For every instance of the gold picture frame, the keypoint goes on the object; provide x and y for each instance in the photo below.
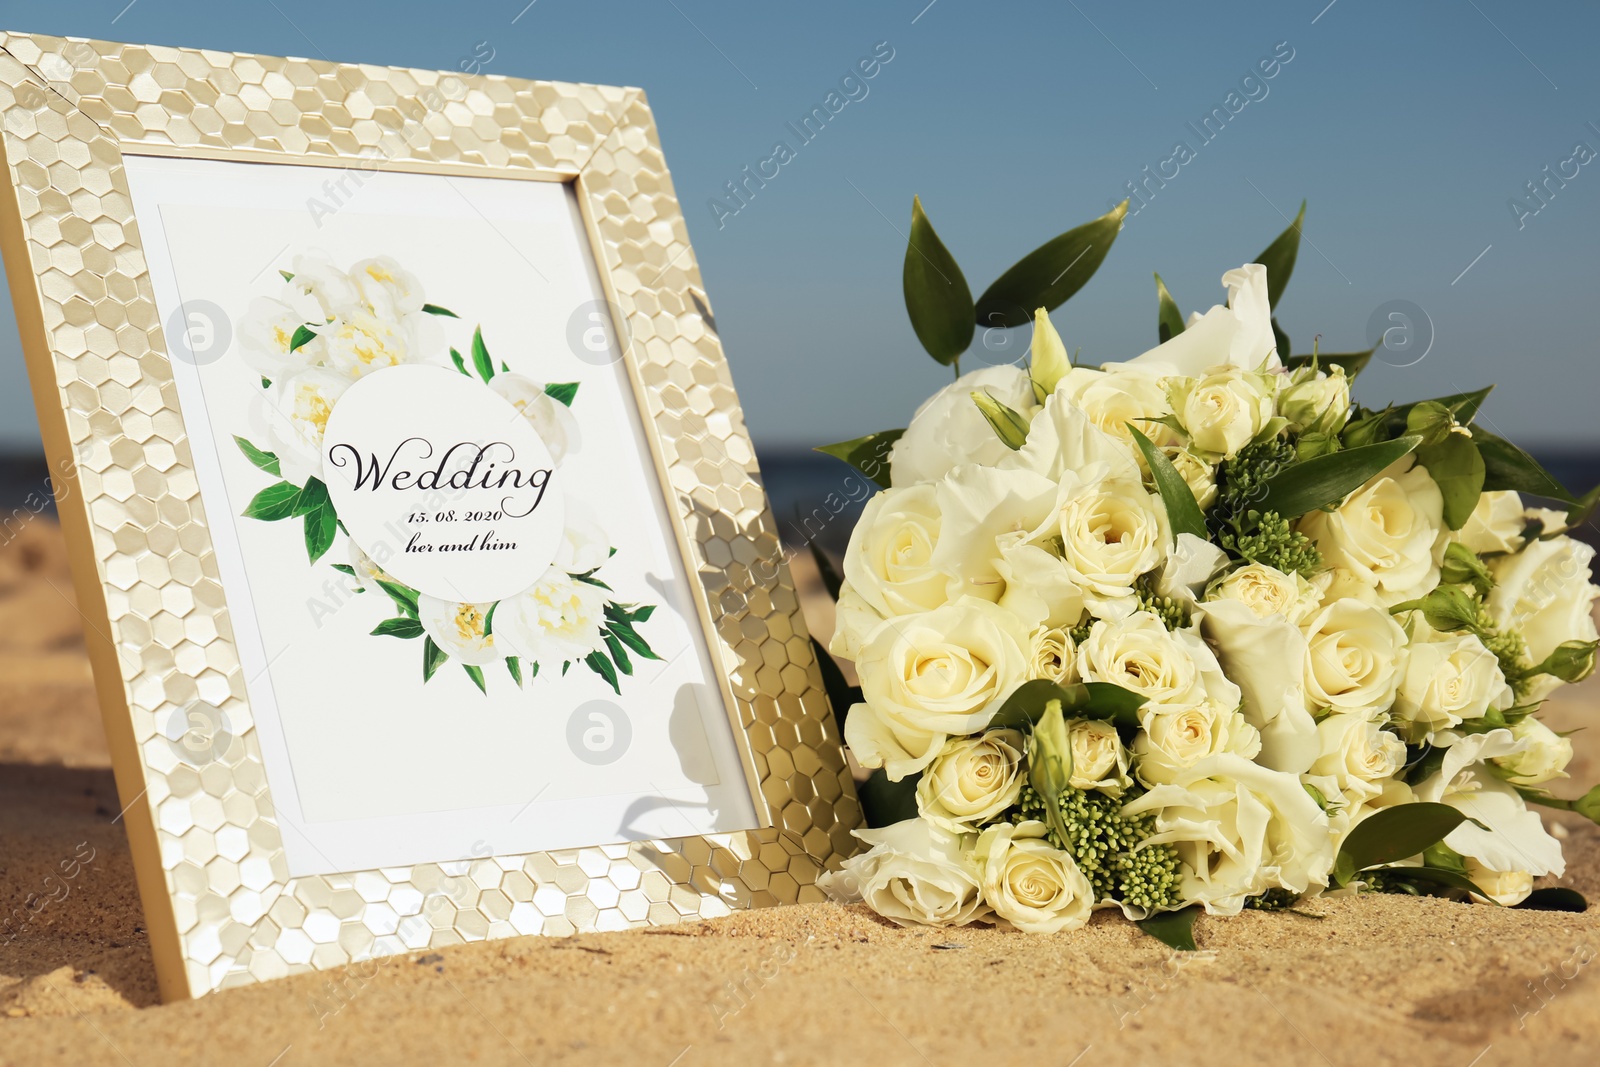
(206, 847)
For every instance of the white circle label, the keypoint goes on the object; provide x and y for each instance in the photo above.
(443, 483)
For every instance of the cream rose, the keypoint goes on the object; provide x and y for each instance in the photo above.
(1117, 395)
(948, 430)
(1543, 754)
(1111, 532)
(1197, 474)
(927, 677)
(1267, 591)
(1063, 439)
(1174, 739)
(1544, 594)
(1266, 656)
(1052, 656)
(1240, 829)
(1316, 403)
(1353, 653)
(972, 780)
(1169, 668)
(1507, 888)
(914, 874)
(1030, 883)
(890, 559)
(1357, 755)
(1099, 760)
(1496, 523)
(1224, 410)
(1448, 678)
(854, 620)
(1385, 533)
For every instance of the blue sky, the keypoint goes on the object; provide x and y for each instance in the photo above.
(1407, 128)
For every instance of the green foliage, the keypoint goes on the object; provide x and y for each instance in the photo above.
(1106, 845)
(1279, 256)
(1174, 614)
(563, 392)
(1007, 423)
(481, 362)
(1183, 512)
(1328, 479)
(1169, 320)
(1051, 273)
(869, 454)
(936, 293)
(1394, 834)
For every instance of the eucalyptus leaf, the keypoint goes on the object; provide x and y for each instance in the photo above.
(1169, 320)
(1175, 929)
(1051, 273)
(1394, 834)
(869, 454)
(937, 297)
(1183, 511)
(1328, 479)
(1279, 257)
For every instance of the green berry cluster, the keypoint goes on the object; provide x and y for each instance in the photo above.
(1252, 534)
(1104, 842)
(1265, 537)
(1174, 614)
(1274, 899)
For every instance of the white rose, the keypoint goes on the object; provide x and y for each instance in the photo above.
(1448, 678)
(1062, 437)
(1030, 883)
(557, 620)
(1174, 739)
(1500, 832)
(1353, 653)
(1550, 520)
(1224, 410)
(1357, 755)
(1237, 333)
(387, 289)
(1099, 761)
(927, 677)
(915, 874)
(1240, 829)
(1266, 656)
(1117, 395)
(1198, 474)
(1169, 668)
(458, 629)
(1267, 591)
(1318, 403)
(1507, 888)
(889, 562)
(948, 430)
(1543, 593)
(1112, 532)
(265, 337)
(1052, 656)
(297, 416)
(552, 420)
(854, 620)
(973, 780)
(1543, 757)
(1386, 532)
(1495, 524)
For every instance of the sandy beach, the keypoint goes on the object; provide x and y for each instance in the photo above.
(1349, 982)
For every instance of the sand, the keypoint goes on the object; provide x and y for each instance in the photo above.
(1367, 981)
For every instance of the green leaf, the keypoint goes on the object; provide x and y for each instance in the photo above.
(1508, 467)
(1435, 876)
(884, 803)
(400, 627)
(1183, 511)
(267, 461)
(1458, 471)
(937, 297)
(630, 637)
(1352, 362)
(276, 501)
(1051, 273)
(476, 674)
(1093, 700)
(1447, 608)
(562, 391)
(1279, 257)
(841, 694)
(514, 666)
(1007, 423)
(869, 454)
(601, 665)
(1169, 320)
(435, 309)
(303, 335)
(320, 527)
(1326, 480)
(1175, 929)
(433, 657)
(619, 655)
(404, 597)
(1394, 834)
(1555, 898)
(480, 356)
(1280, 340)
(831, 580)
(461, 364)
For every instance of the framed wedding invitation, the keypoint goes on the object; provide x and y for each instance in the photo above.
(430, 586)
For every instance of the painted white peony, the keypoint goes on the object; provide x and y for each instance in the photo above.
(1225, 409)
(297, 416)
(458, 629)
(1170, 668)
(1240, 829)
(386, 288)
(584, 545)
(1449, 677)
(973, 780)
(556, 621)
(948, 430)
(266, 335)
(1030, 883)
(1544, 593)
(927, 677)
(1238, 333)
(1496, 523)
(1172, 740)
(1386, 533)
(552, 420)
(914, 874)
(1353, 653)
(319, 291)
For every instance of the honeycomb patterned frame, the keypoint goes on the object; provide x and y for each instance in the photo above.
(221, 907)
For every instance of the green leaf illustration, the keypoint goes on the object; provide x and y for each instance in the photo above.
(630, 637)
(303, 335)
(461, 364)
(320, 527)
(514, 667)
(267, 461)
(480, 356)
(433, 657)
(562, 391)
(401, 627)
(476, 674)
(601, 665)
(404, 597)
(619, 655)
(276, 501)
(435, 309)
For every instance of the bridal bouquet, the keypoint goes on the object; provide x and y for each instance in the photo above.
(1193, 630)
